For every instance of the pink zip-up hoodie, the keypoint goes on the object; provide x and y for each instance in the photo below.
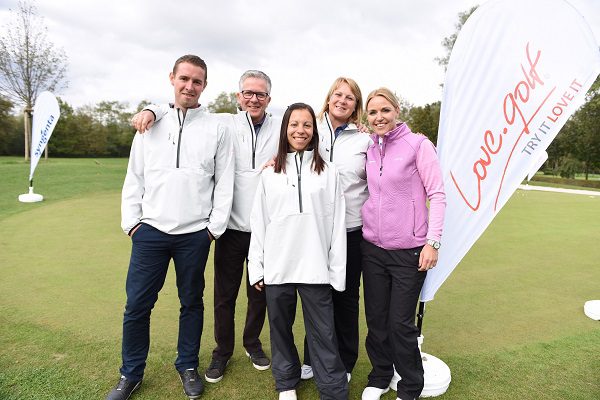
(402, 174)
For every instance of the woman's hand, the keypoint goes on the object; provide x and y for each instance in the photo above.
(428, 258)
(270, 163)
(143, 121)
(362, 128)
(259, 286)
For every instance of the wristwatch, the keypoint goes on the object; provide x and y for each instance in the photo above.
(434, 243)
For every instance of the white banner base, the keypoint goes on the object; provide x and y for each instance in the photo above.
(30, 197)
(437, 375)
(592, 309)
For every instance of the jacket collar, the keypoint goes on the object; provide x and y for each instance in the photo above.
(350, 126)
(190, 113)
(306, 156)
(400, 130)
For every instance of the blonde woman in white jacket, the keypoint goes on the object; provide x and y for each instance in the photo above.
(343, 144)
(298, 246)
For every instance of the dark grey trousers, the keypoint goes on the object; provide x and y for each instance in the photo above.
(346, 305)
(317, 307)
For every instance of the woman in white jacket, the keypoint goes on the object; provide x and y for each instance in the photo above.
(343, 144)
(298, 246)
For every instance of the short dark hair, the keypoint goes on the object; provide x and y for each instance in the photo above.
(318, 165)
(194, 60)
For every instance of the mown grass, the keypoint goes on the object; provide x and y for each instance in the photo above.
(509, 322)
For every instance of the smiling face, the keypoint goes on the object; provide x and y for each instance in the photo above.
(341, 104)
(381, 115)
(255, 107)
(300, 129)
(189, 81)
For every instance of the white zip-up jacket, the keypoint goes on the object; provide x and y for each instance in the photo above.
(180, 175)
(252, 151)
(298, 226)
(349, 154)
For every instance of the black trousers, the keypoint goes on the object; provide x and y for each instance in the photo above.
(317, 307)
(231, 251)
(392, 287)
(345, 305)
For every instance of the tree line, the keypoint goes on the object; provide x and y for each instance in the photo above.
(29, 63)
(104, 130)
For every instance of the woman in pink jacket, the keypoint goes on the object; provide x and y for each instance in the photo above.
(401, 241)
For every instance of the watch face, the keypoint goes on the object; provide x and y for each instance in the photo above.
(433, 243)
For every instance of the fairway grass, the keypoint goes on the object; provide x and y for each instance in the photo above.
(509, 321)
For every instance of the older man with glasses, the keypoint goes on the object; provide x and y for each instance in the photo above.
(256, 136)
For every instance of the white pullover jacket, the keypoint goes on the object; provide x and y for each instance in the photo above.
(180, 175)
(349, 154)
(252, 151)
(298, 226)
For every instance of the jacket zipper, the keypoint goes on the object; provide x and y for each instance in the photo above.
(299, 172)
(181, 122)
(381, 157)
(253, 139)
(331, 137)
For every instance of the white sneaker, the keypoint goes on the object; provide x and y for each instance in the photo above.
(373, 393)
(306, 372)
(349, 375)
(288, 395)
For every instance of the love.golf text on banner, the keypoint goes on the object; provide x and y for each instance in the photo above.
(518, 70)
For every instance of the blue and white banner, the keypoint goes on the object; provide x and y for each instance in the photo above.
(518, 70)
(45, 116)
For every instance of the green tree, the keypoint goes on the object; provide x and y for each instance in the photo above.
(449, 41)
(114, 118)
(586, 121)
(425, 119)
(11, 141)
(63, 141)
(78, 134)
(577, 146)
(224, 103)
(29, 62)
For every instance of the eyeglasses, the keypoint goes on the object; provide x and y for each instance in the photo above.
(248, 94)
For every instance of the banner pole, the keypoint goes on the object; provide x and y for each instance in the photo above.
(420, 315)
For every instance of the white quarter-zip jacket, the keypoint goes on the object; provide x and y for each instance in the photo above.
(349, 154)
(180, 175)
(298, 226)
(252, 151)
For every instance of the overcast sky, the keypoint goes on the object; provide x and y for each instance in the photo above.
(124, 49)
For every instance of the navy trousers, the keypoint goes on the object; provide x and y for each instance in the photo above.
(151, 253)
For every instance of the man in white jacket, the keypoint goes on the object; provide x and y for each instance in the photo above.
(176, 199)
(255, 137)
